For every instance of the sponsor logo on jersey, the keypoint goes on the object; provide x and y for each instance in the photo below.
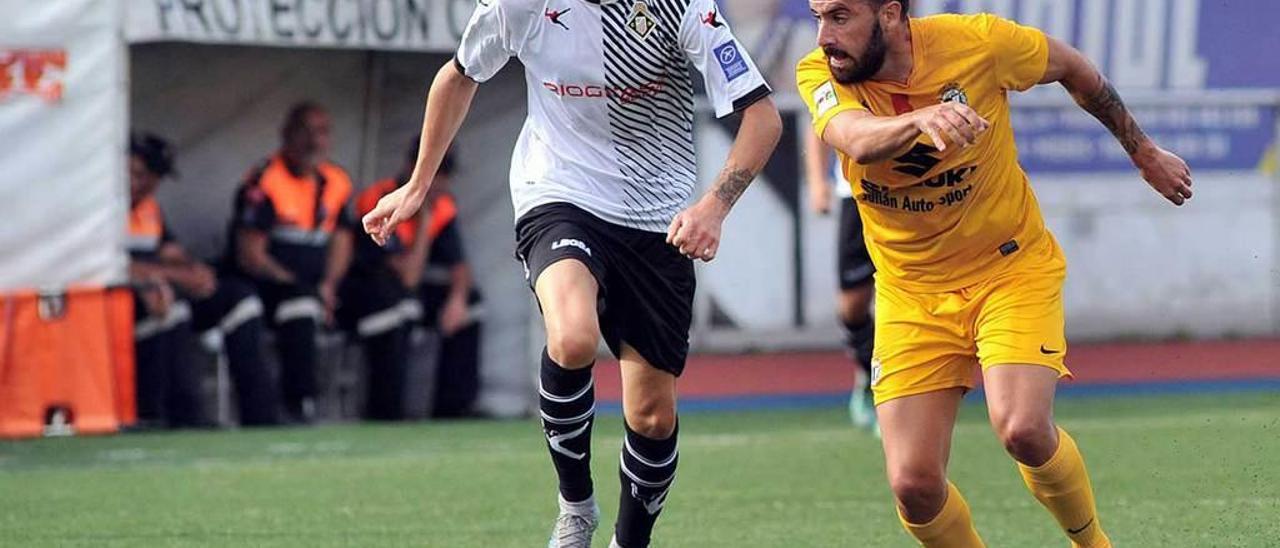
(955, 183)
(950, 177)
(953, 92)
(731, 60)
(712, 19)
(917, 161)
(641, 23)
(590, 91)
(571, 242)
(554, 17)
(825, 98)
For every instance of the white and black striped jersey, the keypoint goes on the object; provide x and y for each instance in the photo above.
(610, 124)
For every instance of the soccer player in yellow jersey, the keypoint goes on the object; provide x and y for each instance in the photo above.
(967, 272)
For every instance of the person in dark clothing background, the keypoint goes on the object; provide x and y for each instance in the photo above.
(177, 295)
(291, 236)
(426, 257)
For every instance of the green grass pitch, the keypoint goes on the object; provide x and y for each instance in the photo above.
(1168, 470)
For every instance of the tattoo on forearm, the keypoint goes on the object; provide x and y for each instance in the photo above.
(731, 185)
(1108, 108)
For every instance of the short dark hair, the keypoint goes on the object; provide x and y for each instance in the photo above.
(906, 5)
(297, 115)
(155, 152)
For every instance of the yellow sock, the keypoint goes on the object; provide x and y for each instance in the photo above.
(951, 528)
(1062, 486)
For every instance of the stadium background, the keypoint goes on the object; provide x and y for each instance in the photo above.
(215, 76)
(1138, 269)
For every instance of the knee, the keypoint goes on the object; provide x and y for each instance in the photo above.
(572, 349)
(1030, 440)
(920, 491)
(652, 420)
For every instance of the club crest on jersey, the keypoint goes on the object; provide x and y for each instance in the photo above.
(641, 23)
(953, 92)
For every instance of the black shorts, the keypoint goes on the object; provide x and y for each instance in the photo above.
(853, 263)
(646, 285)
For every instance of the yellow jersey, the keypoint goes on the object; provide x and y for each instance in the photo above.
(941, 221)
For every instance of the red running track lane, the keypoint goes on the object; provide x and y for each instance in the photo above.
(711, 376)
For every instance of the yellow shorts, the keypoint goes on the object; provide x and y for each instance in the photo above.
(933, 341)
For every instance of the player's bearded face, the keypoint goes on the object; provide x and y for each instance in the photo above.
(847, 69)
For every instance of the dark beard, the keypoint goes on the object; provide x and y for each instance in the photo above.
(866, 67)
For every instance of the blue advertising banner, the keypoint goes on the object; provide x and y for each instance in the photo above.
(1208, 136)
(1180, 52)
(1154, 44)
(1172, 60)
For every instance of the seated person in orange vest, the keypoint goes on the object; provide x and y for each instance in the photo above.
(426, 256)
(178, 294)
(292, 236)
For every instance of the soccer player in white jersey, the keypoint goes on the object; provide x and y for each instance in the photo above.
(601, 178)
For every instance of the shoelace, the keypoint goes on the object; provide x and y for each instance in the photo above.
(571, 527)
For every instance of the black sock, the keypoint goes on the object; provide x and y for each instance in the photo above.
(861, 339)
(567, 399)
(647, 471)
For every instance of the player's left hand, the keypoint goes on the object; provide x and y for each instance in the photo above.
(1165, 172)
(696, 231)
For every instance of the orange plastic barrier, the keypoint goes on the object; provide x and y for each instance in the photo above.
(66, 362)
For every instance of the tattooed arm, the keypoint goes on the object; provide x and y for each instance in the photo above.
(1163, 170)
(731, 183)
(696, 231)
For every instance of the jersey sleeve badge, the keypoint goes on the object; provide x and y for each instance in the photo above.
(825, 98)
(731, 61)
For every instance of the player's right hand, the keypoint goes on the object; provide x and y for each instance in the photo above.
(392, 209)
(1165, 172)
(820, 197)
(951, 122)
(696, 231)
